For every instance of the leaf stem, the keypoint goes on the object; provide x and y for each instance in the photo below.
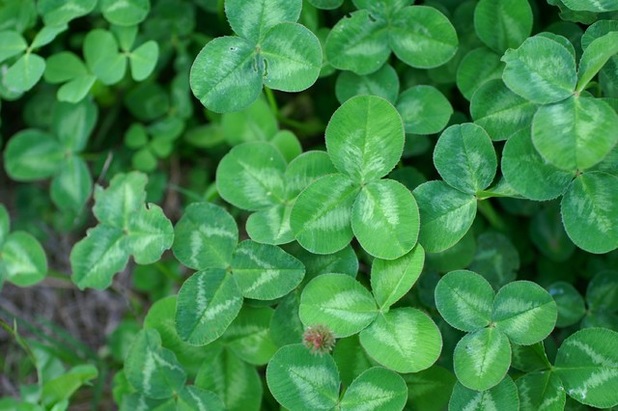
(488, 211)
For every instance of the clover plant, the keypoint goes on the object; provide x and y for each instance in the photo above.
(312, 204)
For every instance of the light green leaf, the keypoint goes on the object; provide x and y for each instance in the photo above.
(404, 340)
(216, 373)
(305, 169)
(598, 52)
(11, 44)
(250, 176)
(254, 123)
(22, 259)
(424, 110)
(528, 173)
(32, 155)
(5, 224)
(365, 137)
(422, 37)
(46, 35)
(465, 158)
(102, 56)
(481, 359)
(56, 12)
(125, 12)
(503, 24)
(587, 363)
(476, 68)
(285, 325)
(392, 279)
(265, 272)
(541, 391)
(61, 388)
(589, 212)
(525, 312)
(383, 83)
(253, 20)
(541, 70)
(248, 336)
(26, 72)
(501, 112)
(464, 299)
(152, 369)
(143, 60)
(303, 381)
(207, 304)
(575, 134)
(591, 5)
(96, 258)
(358, 43)
(385, 219)
(339, 302)
(321, 215)
(234, 82)
(502, 397)
(206, 236)
(75, 90)
(271, 226)
(375, 389)
(446, 215)
(126, 190)
(287, 143)
(72, 124)
(342, 262)
(292, 56)
(194, 398)
(150, 233)
(72, 186)
(570, 303)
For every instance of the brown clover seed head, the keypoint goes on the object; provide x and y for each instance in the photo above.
(319, 339)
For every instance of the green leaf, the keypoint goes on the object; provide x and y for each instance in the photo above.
(526, 171)
(292, 56)
(365, 137)
(303, 381)
(125, 12)
(288, 144)
(207, 304)
(530, 358)
(32, 155)
(422, 37)
(464, 299)
(446, 215)
(75, 90)
(358, 43)
(476, 68)
(503, 397)
(305, 169)
(46, 35)
(339, 302)
(587, 363)
(143, 60)
(285, 325)
(248, 336)
(591, 5)
(541, 391)
(254, 123)
(102, 56)
(503, 24)
(150, 233)
(385, 219)
(404, 340)
(194, 398)
(72, 124)
(351, 359)
(11, 44)
(253, 20)
(465, 158)
(321, 215)
(589, 212)
(205, 237)
(26, 72)
(326, 4)
(96, 258)
(575, 134)
(424, 110)
(271, 226)
(548, 235)
(232, 84)
(595, 56)
(64, 386)
(152, 369)
(481, 359)
(216, 373)
(22, 259)
(5, 224)
(56, 12)
(499, 111)
(377, 389)
(430, 390)
(602, 291)
(265, 272)
(392, 279)
(250, 176)
(525, 312)
(72, 186)
(541, 70)
(342, 262)
(496, 259)
(382, 83)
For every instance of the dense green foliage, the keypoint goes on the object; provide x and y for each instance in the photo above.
(324, 204)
